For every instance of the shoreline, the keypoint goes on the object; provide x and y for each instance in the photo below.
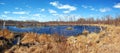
(104, 41)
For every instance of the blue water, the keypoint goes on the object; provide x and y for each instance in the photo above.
(60, 30)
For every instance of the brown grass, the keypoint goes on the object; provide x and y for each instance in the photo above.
(106, 41)
(6, 34)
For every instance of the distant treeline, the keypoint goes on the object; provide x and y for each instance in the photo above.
(104, 20)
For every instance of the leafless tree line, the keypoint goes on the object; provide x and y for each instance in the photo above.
(72, 21)
(104, 20)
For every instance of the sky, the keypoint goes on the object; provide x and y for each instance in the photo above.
(55, 10)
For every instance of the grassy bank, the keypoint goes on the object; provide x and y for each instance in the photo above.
(106, 41)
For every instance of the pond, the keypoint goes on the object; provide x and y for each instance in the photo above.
(60, 30)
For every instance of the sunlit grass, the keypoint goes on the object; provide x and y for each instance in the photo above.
(106, 41)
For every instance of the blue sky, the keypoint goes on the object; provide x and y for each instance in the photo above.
(52, 10)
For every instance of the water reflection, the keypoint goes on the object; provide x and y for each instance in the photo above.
(60, 30)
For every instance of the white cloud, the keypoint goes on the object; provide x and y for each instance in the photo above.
(55, 14)
(41, 10)
(66, 11)
(22, 17)
(52, 11)
(7, 12)
(4, 16)
(117, 5)
(89, 7)
(17, 8)
(28, 6)
(66, 17)
(2, 3)
(91, 15)
(92, 9)
(104, 9)
(61, 6)
(84, 6)
(36, 15)
(20, 12)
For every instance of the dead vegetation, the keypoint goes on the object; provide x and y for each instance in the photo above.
(6, 34)
(106, 41)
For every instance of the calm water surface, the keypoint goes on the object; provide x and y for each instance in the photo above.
(60, 30)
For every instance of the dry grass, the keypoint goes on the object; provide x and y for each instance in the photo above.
(29, 38)
(6, 34)
(106, 41)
